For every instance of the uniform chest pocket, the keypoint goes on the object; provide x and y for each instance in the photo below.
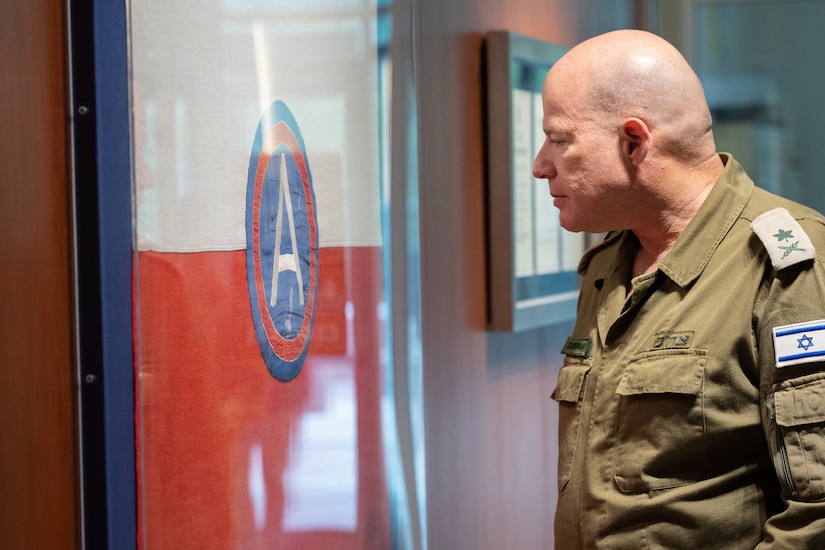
(660, 423)
(568, 393)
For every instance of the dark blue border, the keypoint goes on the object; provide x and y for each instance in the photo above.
(797, 330)
(103, 212)
(801, 356)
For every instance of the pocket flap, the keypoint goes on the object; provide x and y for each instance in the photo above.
(677, 371)
(802, 402)
(571, 383)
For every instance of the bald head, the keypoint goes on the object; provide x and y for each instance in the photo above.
(631, 73)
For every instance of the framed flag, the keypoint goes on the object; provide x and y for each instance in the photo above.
(258, 274)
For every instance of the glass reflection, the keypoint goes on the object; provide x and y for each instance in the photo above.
(757, 61)
(257, 486)
(320, 480)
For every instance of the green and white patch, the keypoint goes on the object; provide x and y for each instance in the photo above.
(784, 239)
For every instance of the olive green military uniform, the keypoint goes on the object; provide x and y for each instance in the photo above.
(679, 425)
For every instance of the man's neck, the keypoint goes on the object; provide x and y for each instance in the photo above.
(656, 240)
(646, 261)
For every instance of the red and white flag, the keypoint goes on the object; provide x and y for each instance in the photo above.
(258, 275)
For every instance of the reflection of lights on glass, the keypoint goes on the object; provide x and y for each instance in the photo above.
(257, 486)
(383, 314)
(321, 480)
(181, 159)
(261, 66)
(349, 314)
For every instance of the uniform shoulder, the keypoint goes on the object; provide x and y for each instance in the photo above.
(791, 232)
(762, 201)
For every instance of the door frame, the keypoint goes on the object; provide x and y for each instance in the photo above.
(101, 185)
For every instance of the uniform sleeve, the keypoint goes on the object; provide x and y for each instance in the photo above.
(791, 339)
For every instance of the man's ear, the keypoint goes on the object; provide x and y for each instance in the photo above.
(635, 139)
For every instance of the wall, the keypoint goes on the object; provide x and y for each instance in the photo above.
(490, 422)
(38, 489)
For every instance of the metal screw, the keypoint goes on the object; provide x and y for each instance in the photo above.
(90, 378)
(83, 110)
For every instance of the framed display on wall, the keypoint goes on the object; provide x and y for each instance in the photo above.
(531, 259)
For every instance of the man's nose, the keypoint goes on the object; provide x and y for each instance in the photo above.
(543, 168)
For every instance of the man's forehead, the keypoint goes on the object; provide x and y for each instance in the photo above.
(558, 103)
(564, 85)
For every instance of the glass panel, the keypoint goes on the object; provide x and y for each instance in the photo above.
(405, 410)
(760, 64)
(261, 320)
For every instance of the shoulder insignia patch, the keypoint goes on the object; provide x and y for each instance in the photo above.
(783, 237)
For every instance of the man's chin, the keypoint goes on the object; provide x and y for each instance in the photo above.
(569, 225)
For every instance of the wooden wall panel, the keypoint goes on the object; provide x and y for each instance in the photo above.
(38, 465)
(490, 423)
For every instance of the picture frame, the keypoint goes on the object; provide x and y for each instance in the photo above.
(532, 261)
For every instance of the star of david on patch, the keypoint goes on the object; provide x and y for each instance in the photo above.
(805, 342)
(783, 235)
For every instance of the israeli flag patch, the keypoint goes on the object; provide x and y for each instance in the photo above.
(799, 343)
(784, 239)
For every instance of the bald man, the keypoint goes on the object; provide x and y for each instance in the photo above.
(692, 395)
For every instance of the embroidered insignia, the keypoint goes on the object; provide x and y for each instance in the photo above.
(672, 340)
(805, 342)
(577, 347)
(789, 249)
(281, 243)
(784, 239)
(799, 343)
(783, 235)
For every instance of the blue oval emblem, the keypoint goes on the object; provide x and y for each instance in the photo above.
(281, 242)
